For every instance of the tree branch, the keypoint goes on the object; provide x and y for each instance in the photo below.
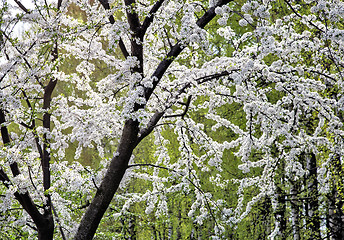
(4, 132)
(106, 6)
(6, 140)
(187, 104)
(45, 160)
(136, 35)
(152, 165)
(59, 3)
(24, 199)
(4, 178)
(133, 18)
(157, 116)
(149, 19)
(59, 223)
(178, 48)
(298, 14)
(152, 123)
(187, 178)
(17, 61)
(22, 7)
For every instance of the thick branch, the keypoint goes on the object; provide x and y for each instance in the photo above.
(123, 48)
(46, 124)
(6, 140)
(136, 35)
(152, 123)
(22, 7)
(59, 4)
(133, 18)
(149, 19)
(4, 178)
(47, 231)
(4, 132)
(29, 206)
(45, 160)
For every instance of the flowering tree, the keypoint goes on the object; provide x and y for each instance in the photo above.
(167, 70)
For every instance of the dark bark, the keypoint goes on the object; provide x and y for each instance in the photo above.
(137, 35)
(6, 140)
(280, 195)
(47, 229)
(281, 212)
(4, 132)
(313, 220)
(46, 124)
(295, 211)
(110, 183)
(149, 19)
(20, 5)
(59, 3)
(150, 126)
(335, 217)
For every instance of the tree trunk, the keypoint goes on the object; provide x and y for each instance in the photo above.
(110, 183)
(313, 221)
(46, 229)
(295, 211)
(280, 213)
(336, 216)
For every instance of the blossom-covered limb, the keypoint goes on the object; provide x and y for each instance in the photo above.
(105, 4)
(149, 19)
(42, 221)
(178, 48)
(150, 126)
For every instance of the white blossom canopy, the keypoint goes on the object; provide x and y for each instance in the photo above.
(208, 82)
